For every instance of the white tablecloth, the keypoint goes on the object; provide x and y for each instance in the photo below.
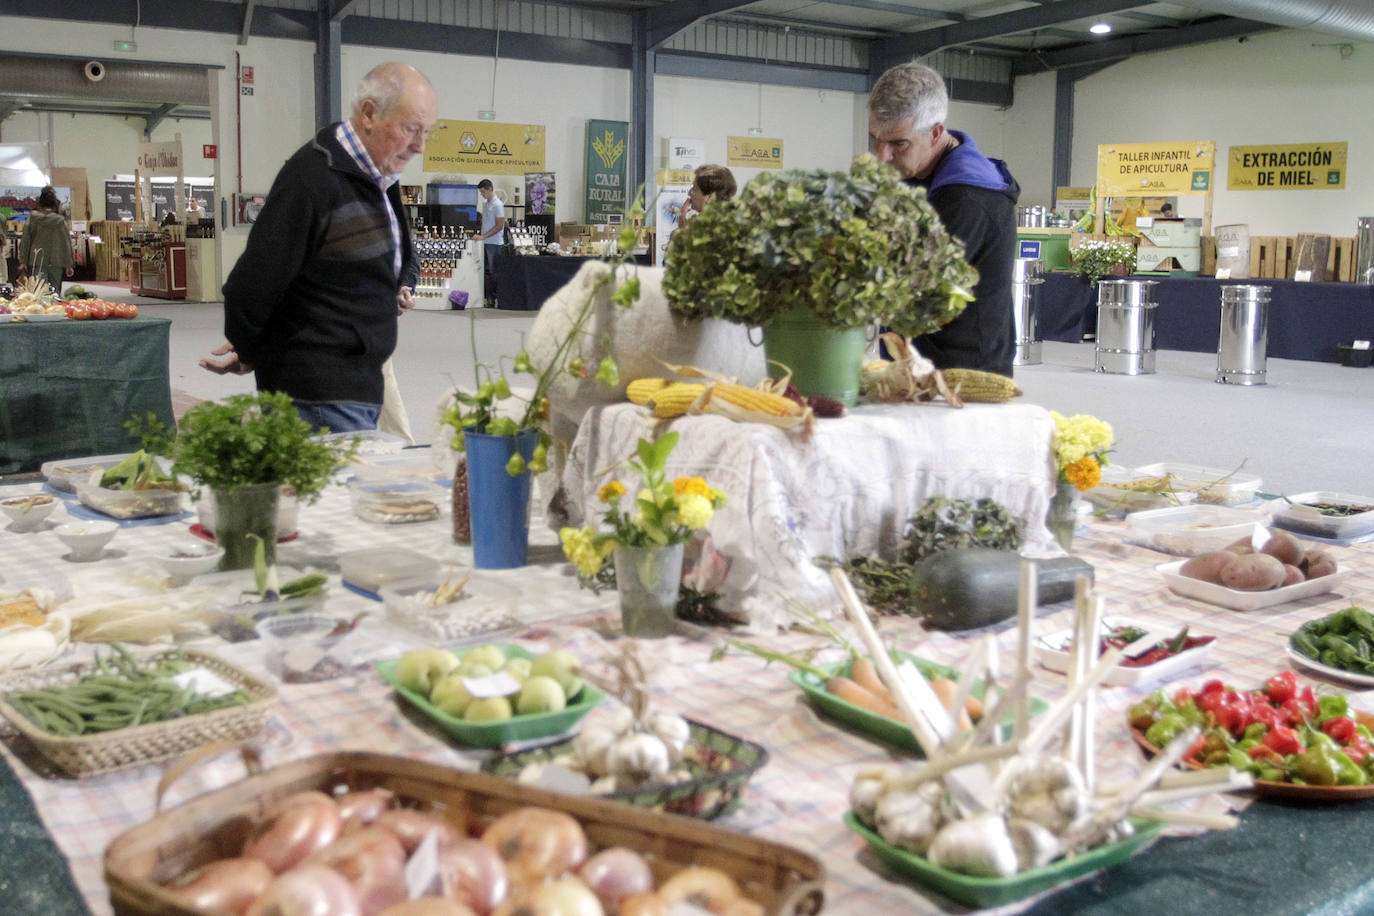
(846, 489)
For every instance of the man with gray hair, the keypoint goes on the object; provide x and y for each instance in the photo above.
(975, 198)
(311, 305)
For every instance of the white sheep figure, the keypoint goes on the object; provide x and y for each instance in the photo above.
(640, 338)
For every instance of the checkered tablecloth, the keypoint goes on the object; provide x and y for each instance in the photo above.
(798, 798)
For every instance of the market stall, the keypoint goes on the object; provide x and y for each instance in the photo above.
(798, 798)
(66, 387)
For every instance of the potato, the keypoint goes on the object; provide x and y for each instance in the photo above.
(1241, 546)
(1283, 547)
(1208, 566)
(1317, 563)
(1292, 575)
(1253, 573)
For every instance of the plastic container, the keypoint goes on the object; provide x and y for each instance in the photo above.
(397, 501)
(1212, 485)
(370, 441)
(410, 463)
(483, 607)
(288, 508)
(124, 504)
(369, 570)
(1356, 357)
(1189, 531)
(1116, 491)
(1055, 652)
(63, 473)
(1297, 514)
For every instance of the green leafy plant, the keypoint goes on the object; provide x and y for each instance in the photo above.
(854, 247)
(1095, 258)
(246, 439)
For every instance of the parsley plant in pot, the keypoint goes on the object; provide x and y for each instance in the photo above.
(838, 251)
(244, 449)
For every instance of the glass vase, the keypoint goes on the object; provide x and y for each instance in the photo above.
(1062, 516)
(240, 512)
(647, 580)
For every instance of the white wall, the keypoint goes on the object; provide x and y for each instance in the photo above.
(1280, 87)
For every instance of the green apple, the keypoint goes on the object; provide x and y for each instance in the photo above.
(518, 668)
(488, 709)
(563, 667)
(490, 656)
(451, 696)
(474, 670)
(540, 694)
(420, 669)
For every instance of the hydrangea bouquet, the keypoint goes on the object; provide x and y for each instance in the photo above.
(1095, 258)
(1081, 443)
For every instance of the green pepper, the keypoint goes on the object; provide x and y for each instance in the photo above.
(1244, 744)
(1318, 765)
(1191, 714)
(1164, 730)
(1360, 619)
(1306, 643)
(1329, 707)
(1255, 731)
(1349, 772)
(1269, 774)
(1239, 760)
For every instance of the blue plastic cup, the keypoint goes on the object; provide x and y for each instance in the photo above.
(499, 503)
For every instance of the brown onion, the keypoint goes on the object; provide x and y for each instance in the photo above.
(362, 808)
(473, 874)
(311, 890)
(615, 873)
(566, 896)
(428, 906)
(643, 905)
(411, 828)
(373, 862)
(537, 843)
(709, 888)
(228, 884)
(296, 828)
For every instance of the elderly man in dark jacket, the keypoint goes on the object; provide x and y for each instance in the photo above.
(311, 305)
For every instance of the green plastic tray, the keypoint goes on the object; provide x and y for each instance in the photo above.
(871, 723)
(495, 734)
(987, 892)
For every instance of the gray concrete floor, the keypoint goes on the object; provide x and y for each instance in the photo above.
(1307, 429)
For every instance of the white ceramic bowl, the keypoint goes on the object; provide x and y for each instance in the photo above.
(191, 560)
(28, 512)
(87, 540)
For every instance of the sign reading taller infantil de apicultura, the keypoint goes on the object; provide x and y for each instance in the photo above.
(485, 148)
(608, 148)
(1286, 167)
(1155, 169)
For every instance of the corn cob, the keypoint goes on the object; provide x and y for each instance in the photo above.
(641, 389)
(753, 399)
(672, 400)
(975, 385)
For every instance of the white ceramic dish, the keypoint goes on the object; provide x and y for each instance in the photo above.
(38, 316)
(86, 540)
(1189, 531)
(1336, 674)
(1291, 513)
(1052, 651)
(190, 560)
(1246, 601)
(27, 513)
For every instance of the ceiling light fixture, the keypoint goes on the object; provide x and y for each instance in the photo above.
(1100, 28)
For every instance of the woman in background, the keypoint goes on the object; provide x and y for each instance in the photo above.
(45, 249)
(710, 182)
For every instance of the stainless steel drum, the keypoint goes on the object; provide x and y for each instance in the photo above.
(1244, 335)
(1364, 250)
(1025, 304)
(1125, 327)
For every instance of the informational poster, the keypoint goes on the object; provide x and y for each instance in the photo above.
(485, 148)
(754, 152)
(1287, 167)
(607, 145)
(120, 198)
(686, 153)
(539, 194)
(1149, 169)
(673, 185)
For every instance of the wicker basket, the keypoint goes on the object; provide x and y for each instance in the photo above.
(786, 881)
(88, 755)
(720, 763)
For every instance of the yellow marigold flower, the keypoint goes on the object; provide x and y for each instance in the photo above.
(1085, 473)
(578, 546)
(718, 498)
(694, 510)
(611, 492)
(684, 485)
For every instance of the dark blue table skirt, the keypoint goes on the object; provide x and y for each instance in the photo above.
(1306, 320)
(524, 282)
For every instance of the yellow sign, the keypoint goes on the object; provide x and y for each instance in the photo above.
(485, 147)
(1151, 169)
(754, 152)
(676, 177)
(1286, 167)
(1071, 197)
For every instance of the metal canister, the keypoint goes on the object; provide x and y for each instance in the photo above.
(1244, 340)
(1026, 281)
(1364, 250)
(1125, 327)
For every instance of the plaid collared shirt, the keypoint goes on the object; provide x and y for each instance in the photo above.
(348, 139)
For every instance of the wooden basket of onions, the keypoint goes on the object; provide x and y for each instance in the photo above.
(342, 832)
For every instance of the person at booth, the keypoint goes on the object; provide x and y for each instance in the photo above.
(311, 306)
(45, 248)
(975, 198)
(492, 234)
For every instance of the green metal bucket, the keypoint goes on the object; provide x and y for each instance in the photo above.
(823, 360)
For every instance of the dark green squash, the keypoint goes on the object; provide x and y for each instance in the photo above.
(976, 587)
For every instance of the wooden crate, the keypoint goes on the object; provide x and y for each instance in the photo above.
(1310, 253)
(1340, 263)
(1269, 256)
(111, 232)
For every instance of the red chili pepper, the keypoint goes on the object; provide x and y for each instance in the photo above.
(1341, 728)
(1266, 753)
(1280, 687)
(1213, 686)
(1182, 695)
(1357, 750)
(1308, 699)
(1292, 711)
(1283, 741)
(1195, 747)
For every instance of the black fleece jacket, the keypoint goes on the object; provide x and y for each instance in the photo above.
(311, 304)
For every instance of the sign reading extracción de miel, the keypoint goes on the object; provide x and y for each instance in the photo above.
(754, 152)
(485, 148)
(159, 159)
(1286, 167)
(1155, 169)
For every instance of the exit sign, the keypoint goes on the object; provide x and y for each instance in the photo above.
(209, 151)
(486, 116)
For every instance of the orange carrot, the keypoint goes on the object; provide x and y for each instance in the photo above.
(846, 689)
(945, 689)
(865, 674)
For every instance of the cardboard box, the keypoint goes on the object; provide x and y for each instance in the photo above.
(1168, 233)
(1151, 259)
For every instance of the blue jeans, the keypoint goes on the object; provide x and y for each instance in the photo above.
(339, 416)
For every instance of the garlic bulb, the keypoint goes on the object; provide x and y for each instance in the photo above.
(641, 756)
(673, 730)
(910, 818)
(978, 845)
(1035, 845)
(1048, 790)
(591, 746)
(868, 787)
